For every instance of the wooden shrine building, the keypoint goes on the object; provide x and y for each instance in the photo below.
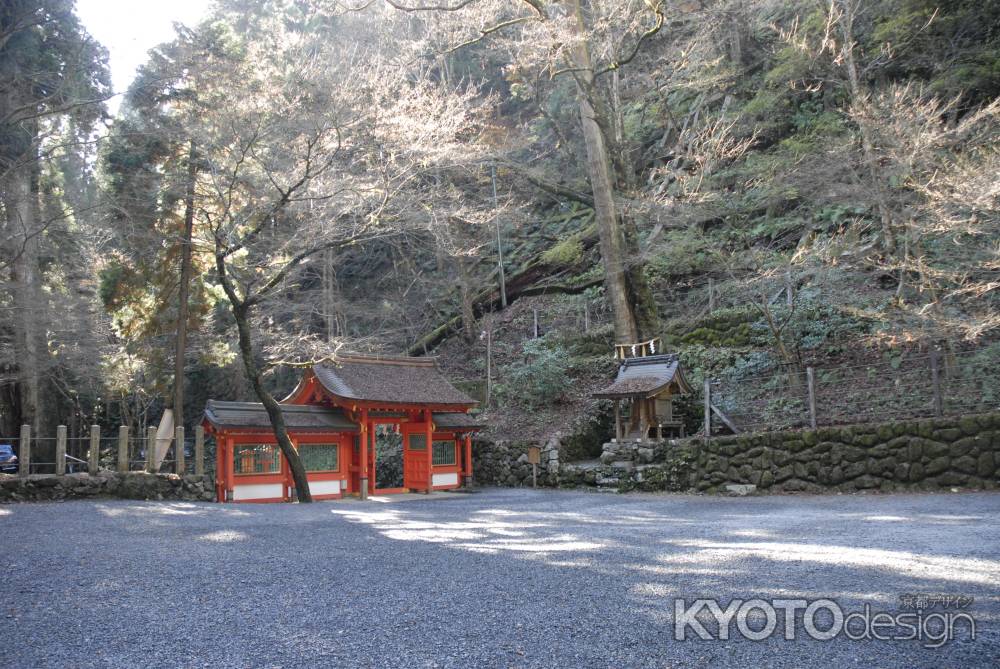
(334, 417)
(643, 393)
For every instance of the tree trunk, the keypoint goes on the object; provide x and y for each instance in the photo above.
(21, 221)
(180, 352)
(859, 97)
(241, 315)
(603, 185)
(468, 314)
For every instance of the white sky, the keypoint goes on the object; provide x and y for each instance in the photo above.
(130, 28)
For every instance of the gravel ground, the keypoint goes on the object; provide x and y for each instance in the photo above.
(512, 578)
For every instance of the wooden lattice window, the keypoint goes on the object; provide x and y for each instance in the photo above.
(256, 459)
(320, 457)
(444, 453)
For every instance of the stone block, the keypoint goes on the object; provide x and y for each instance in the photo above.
(853, 453)
(866, 440)
(969, 425)
(935, 449)
(866, 482)
(965, 464)
(948, 434)
(740, 490)
(853, 470)
(938, 465)
(784, 473)
(967, 445)
(986, 465)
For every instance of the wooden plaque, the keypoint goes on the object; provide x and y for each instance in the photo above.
(534, 455)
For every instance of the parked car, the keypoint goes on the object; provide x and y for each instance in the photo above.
(8, 460)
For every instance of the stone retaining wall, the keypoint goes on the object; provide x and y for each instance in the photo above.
(930, 454)
(506, 463)
(133, 485)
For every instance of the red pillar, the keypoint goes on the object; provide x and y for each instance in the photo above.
(430, 450)
(468, 460)
(229, 468)
(363, 487)
(372, 456)
(220, 472)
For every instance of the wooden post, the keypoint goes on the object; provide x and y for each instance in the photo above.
(94, 456)
(60, 449)
(936, 383)
(618, 420)
(496, 221)
(429, 426)
(711, 295)
(489, 361)
(199, 450)
(534, 329)
(179, 464)
(363, 465)
(789, 289)
(708, 409)
(24, 452)
(123, 448)
(151, 450)
(468, 460)
(811, 382)
(586, 317)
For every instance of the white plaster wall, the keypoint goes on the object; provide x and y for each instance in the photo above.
(257, 491)
(445, 479)
(324, 487)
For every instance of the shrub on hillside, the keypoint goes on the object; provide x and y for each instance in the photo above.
(541, 377)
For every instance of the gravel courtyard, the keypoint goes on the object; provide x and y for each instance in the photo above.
(502, 578)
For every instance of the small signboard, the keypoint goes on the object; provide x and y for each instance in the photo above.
(534, 455)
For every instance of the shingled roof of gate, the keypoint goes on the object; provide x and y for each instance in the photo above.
(393, 380)
(298, 418)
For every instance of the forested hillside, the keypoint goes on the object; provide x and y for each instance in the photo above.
(762, 184)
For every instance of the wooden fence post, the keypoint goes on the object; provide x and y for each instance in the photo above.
(936, 383)
(811, 382)
(199, 450)
(708, 409)
(150, 450)
(123, 448)
(24, 452)
(60, 449)
(489, 362)
(180, 465)
(94, 456)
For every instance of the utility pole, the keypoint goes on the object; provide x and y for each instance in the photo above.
(496, 221)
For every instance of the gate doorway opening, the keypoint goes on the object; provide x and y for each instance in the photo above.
(388, 456)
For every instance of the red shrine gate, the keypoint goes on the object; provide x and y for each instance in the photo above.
(331, 418)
